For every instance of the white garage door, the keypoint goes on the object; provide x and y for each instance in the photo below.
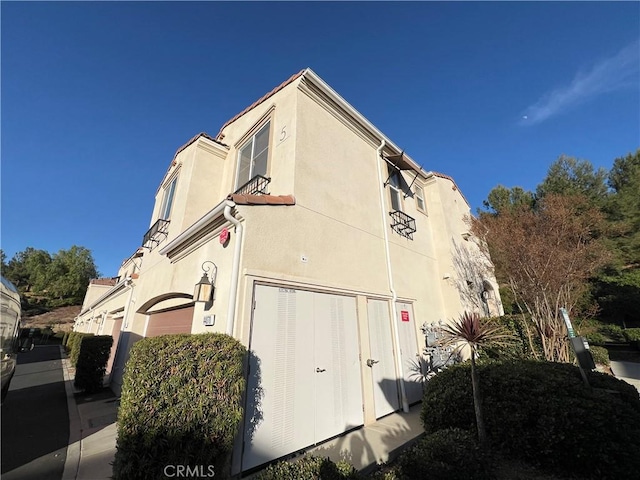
(304, 381)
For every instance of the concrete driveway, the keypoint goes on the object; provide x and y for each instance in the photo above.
(35, 421)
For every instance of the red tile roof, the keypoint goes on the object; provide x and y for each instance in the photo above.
(242, 199)
(454, 186)
(103, 281)
(260, 100)
(193, 139)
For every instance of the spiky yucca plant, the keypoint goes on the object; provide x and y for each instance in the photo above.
(475, 332)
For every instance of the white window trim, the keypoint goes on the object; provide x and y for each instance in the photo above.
(169, 189)
(250, 138)
(421, 197)
(395, 191)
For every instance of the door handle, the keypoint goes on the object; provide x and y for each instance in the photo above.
(371, 362)
(320, 370)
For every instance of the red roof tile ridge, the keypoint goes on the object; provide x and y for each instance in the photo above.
(261, 100)
(103, 281)
(244, 199)
(196, 137)
(455, 185)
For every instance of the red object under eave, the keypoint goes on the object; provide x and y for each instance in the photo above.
(242, 199)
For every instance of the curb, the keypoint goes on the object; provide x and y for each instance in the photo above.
(72, 462)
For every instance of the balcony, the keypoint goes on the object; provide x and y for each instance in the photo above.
(155, 234)
(256, 186)
(403, 224)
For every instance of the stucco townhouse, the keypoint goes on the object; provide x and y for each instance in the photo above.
(304, 232)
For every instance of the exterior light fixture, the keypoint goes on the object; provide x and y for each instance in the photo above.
(203, 291)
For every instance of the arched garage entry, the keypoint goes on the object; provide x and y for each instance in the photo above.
(167, 314)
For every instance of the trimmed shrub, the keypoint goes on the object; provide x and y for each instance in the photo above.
(614, 332)
(596, 338)
(543, 414)
(65, 338)
(451, 454)
(633, 336)
(180, 405)
(600, 355)
(93, 354)
(73, 345)
(309, 467)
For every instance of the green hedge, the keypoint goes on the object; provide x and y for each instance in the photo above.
(600, 355)
(93, 355)
(632, 334)
(309, 467)
(451, 454)
(73, 345)
(180, 405)
(541, 413)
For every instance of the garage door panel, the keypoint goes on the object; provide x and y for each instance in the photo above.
(173, 321)
(279, 371)
(293, 333)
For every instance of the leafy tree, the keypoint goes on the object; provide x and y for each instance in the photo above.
(27, 269)
(63, 277)
(502, 198)
(618, 288)
(572, 176)
(547, 255)
(69, 274)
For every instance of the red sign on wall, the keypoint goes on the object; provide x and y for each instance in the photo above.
(224, 236)
(404, 314)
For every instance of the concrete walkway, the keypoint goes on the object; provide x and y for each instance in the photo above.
(376, 443)
(627, 371)
(92, 431)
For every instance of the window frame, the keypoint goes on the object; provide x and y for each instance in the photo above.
(168, 198)
(418, 192)
(250, 139)
(395, 190)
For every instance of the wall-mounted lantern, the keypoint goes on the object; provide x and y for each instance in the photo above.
(204, 289)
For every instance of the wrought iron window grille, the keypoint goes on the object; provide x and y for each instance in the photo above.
(155, 234)
(256, 186)
(403, 224)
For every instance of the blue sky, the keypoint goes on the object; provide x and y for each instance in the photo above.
(97, 97)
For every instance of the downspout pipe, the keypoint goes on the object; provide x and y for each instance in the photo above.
(394, 295)
(235, 272)
(125, 320)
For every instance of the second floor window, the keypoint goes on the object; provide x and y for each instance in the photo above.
(253, 156)
(167, 200)
(395, 189)
(420, 203)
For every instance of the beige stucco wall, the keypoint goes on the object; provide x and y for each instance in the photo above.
(332, 238)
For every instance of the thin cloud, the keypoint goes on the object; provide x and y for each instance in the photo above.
(610, 74)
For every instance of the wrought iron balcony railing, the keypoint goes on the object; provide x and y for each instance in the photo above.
(256, 186)
(155, 234)
(403, 224)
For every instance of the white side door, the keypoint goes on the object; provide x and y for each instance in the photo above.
(382, 361)
(409, 352)
(338, 385)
